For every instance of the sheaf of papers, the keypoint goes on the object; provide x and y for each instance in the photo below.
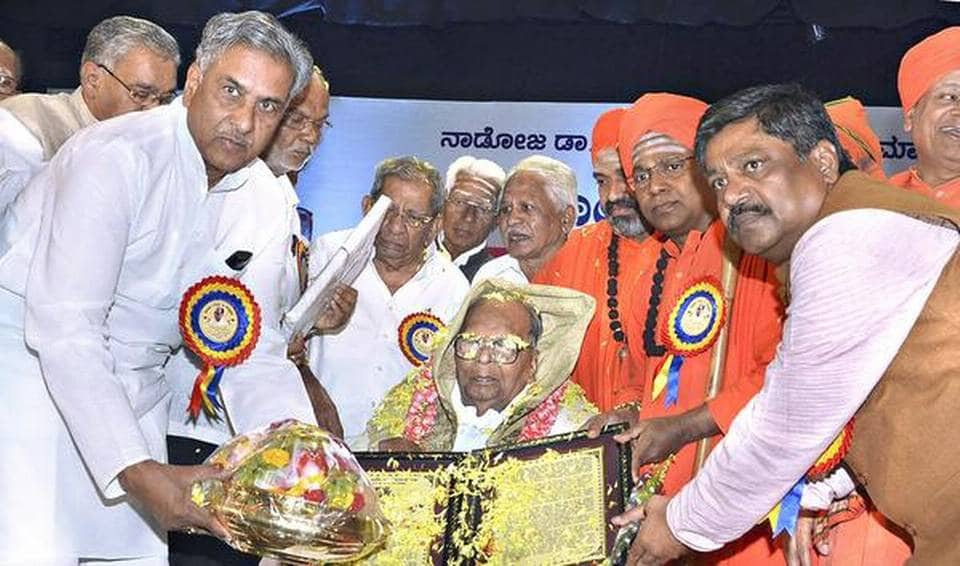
(344, 267)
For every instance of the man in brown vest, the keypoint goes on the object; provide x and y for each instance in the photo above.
(127, 64)
(871, 332)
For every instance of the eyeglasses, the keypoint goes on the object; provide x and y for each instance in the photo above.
(298, 122)
(463, 205)
(410, 220)
(140, 95)
(501, 349)
(668, 169)
(8, 84)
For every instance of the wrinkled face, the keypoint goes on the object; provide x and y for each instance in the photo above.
(619, 204)
(235, 106)
(934, 124)
(767, 196)
(530, 223)
(469, 212)
(9, 81)
(408, 227)
(148, 76)
(669, 188)
(301, 129)
(484, 383)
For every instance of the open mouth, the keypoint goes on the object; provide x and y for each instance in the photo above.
(517, 238)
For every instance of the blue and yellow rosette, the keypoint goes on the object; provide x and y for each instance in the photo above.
(783, 517)
(416, 333)
(691, 329)
(220, 323)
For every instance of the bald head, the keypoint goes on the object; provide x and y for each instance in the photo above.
(10, 71)
(302, 128)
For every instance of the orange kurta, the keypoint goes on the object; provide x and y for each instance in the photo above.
(608, 378)
(948, 193)
(755, 326)
(754, 335)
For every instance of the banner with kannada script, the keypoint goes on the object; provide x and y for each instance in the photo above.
(368, 130)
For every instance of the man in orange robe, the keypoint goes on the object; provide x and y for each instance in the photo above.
(678, 308)
(603, 260)
(929, 84)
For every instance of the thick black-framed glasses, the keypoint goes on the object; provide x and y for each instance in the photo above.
(142, 96)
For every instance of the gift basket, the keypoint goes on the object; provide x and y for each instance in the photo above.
(295, 493)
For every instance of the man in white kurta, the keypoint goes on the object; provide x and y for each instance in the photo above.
(128, 64)
(118, 225)
(406, 276)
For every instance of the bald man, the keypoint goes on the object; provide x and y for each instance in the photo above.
(127, 64)
(929, 85)
(10, 71)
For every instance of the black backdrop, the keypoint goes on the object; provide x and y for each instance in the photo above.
(562, 50)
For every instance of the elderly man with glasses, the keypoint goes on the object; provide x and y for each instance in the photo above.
(405, 292)
(127, 64)
(474, 187)
(500, 375)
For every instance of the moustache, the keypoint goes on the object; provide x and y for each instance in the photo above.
(739, 209)
(626, 202)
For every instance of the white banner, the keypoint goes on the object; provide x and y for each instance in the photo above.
(368, 130)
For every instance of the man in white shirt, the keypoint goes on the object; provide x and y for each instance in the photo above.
(267, 387)
(537, 211)
(474, 187)
(870, 331)
(127, 64)
(405, 280)
(126, 221)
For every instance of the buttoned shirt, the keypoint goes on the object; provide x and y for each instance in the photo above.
(266, 387)
(856, 292)
(359, 364)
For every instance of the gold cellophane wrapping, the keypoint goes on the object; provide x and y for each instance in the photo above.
(295, 493)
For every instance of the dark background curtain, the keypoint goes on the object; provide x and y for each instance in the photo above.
(561, 50)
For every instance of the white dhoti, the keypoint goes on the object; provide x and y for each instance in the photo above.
(50, 509)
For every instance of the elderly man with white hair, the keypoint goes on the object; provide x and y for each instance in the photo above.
(537, 212)
(469, 212)
(121, 222)
(127, 64)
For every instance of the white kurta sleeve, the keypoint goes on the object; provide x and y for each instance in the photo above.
(21, 156)
(88, 213)
(859, 279)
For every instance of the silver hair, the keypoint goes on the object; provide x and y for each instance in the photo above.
(560, 179)
(483, 168)
(111, 40)
(259, 31)
(17, 61)
(410, 168)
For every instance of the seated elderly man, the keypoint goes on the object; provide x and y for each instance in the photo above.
(537, 212)
(500, 374)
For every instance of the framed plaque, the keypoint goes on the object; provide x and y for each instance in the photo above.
(547, 501)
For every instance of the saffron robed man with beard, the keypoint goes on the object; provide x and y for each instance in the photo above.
(679, 308)
(602, 260)
(870, 335)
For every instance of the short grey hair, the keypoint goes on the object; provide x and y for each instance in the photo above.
(110, 40)
(483, 168)
(409, 168)
(259, 31)
(560, 179)
(17, 61)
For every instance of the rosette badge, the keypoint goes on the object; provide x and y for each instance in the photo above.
(416, 335)
(220, 323)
